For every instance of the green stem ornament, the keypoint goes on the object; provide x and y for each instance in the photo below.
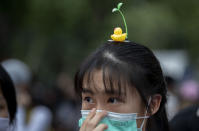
(118, 9)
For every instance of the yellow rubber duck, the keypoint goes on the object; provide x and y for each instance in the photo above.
(118, 35)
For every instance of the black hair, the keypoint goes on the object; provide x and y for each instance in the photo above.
(131, 63)
(8, 91)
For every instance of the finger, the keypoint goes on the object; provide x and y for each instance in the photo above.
(101, 127)
(91, 114)
(89, 117)
(97, 118)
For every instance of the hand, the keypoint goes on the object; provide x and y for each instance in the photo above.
(92, 120)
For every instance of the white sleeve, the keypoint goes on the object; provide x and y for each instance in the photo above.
(20, 120)
(40, 119)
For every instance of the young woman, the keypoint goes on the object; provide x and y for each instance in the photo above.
(122, 89)
(8, 104)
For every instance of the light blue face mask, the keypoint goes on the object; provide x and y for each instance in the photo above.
(119, 121)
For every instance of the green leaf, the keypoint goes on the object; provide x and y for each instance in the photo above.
(114, 10)
(119, 5)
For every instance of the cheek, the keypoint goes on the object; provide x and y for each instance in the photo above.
(132, 107)
(87, 106)
(118, 108)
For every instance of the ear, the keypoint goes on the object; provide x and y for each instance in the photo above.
(155, 103)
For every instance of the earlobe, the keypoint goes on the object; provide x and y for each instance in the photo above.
(155, 103)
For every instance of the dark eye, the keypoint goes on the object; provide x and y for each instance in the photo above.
(113, 100)
(88, 99)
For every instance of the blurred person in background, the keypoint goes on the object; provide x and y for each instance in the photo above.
(186, 120)
(8, 104)
(38, 118)
(188, 117)
(189, 93)
(173, 99)
(67, 112)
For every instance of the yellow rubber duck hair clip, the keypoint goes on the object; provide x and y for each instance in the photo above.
(118, 35)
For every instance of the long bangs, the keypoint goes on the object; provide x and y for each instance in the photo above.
(113, 78)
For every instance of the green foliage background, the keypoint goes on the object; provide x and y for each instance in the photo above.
(52, 36)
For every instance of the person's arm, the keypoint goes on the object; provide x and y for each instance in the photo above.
(20, 120)
(40, 120)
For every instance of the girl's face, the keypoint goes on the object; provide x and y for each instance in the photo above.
(3, 106)
(98, 98)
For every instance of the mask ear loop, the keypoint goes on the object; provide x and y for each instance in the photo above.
(146, 113)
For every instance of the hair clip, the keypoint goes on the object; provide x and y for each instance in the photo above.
(118, 35)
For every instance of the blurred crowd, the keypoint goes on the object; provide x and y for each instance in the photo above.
(42, 108)
(183, 90)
